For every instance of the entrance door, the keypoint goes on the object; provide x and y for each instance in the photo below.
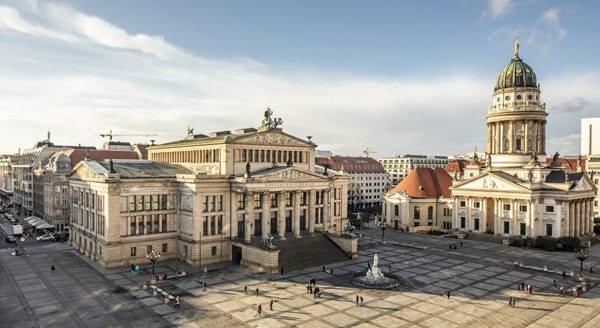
(396, 224)
(288, 221)
(489, 220)
(236, 254)
(241, 228)
(274, 224)
(258, 224)
(303, 220)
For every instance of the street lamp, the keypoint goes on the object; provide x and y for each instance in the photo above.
(383, 226)
(581, 255)
(153, 256)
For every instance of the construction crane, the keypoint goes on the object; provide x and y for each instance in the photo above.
(368, 152)
(110, 135)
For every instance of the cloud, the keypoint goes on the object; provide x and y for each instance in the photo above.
(11, 19)
(566, 145)
(103, 77)
(498, 8)
(574, 105)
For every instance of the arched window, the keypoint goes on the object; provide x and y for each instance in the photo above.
(416, 213)
(430, 213)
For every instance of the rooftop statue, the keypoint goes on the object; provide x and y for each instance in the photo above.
(555, 157)
(269, 121)
(517, 47)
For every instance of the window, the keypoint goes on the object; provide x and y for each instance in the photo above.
(148, 249)
(506, 227)
(529, 97)
(506, 207)
(549, 229)
(463, 222)
(288, 199)
(205, 204)
(274, 199)
(220, 224)
(476, 204)
(396, 210)
(476, 224)
(205, 226)
(430, 213)
(507, 98)
(550, 209)
(257, 200)
(519, 144)
(163, 202)
(417, 213)
(133, 251)
(213, 251)
(219, 203)
(519, 97)
(463, 203)
(164, 223)
(241, 202)
(522, 208)
(522, 229)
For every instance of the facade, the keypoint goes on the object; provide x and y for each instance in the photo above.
(593, 170)
(55, 204)
(590, 136)
(421, 201)
(368, 180)
(515, 192)
(400, 166)
(6, 177)
(203, 198)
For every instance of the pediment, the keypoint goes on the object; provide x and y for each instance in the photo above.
(82, 172)
(272, 137)
(583, 184)
(490, 182)
(288, 175)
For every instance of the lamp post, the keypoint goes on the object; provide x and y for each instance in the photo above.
(581, 255)
(383, 226)
(153, 256)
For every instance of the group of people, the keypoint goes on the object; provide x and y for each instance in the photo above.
(525, 288)
(312, 288)
(511, 301)
(359, 300)
(329, 271)
(453, 246)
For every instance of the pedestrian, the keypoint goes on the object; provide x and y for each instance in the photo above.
(167, 299)
(164, 276)
(389, 268)
(448, 294)
(271, 305)
(561, 292)
(177, 301)
(519, 287)
(510, 301)
(357, 299)
(461, 243)
(369, 265)
(246, 290)
(554, 283)
(308, 288)
(450, 246)
(259, 310)
(52, 268)
(564, 275)
(331, 271)
(361, 300)
(455, 246)
(591, 268)
(257, 290)
(530, 289)
(514, 301)
(323, 268)
(203, 286)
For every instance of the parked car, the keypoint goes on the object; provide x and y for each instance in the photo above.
(10, 239)
(47, 236)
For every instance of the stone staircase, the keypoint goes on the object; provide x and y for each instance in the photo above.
(308, 251)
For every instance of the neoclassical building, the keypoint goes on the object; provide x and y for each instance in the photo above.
(516, 192)
(205, 198)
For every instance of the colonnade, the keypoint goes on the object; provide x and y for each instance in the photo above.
(498, 131)
(579, 214)
(297, 208)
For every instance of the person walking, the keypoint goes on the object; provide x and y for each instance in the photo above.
(257, 291)
(203, 286)
(357, 299)
(177, 301)
(52, 268)
(271, 305)
(448, 294)
(554, 283)
(259, 310)
(361, 300)
(564, 275)
(461, 243)
(323, 268)
(246, 290)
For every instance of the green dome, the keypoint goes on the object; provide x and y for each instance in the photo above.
(516, 74)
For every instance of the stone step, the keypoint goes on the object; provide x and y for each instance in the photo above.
(308, 251)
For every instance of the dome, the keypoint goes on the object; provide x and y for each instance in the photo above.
(63, 158)
(516, 74)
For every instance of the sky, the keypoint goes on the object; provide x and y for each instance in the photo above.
(395, 77)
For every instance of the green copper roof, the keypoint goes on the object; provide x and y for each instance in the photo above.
(516, 74)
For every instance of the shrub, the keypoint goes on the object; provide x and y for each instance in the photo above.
(545, 242)
(516, 241)
(569, 244)
(436, 232)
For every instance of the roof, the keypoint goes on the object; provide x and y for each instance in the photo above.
(141, 150)
(455, 165)
(350, 164)
(425, 182)
(77, 155)
(134, 169)
(570, 163)
(516, 74)
(559, 176)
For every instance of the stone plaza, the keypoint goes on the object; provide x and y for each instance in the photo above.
(479, 276)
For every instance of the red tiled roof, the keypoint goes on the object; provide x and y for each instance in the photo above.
(454, 165)
(142, 150)
(425, 182)
(77, 155)
(351, 164)
(570, 162)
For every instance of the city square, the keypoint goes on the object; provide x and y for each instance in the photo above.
(479, 276)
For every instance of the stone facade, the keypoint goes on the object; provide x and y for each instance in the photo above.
(220, 188)
(514, 191)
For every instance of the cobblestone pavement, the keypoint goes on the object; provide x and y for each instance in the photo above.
(480, 278)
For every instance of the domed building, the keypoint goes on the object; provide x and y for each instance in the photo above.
(515, 192)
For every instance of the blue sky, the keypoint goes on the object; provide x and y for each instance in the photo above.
(394, 76)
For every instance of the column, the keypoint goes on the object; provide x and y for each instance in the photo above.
(586, 217)
(281, 214)
(296, 214)
(571, 219)
(528, 219)
(489, 139)
(233, 221)
(455, 219)
(581, 209)
(501, 140)
(310, 215)
(266, 214)
(326, 217)
(577, 218)
(469, 215)
(532, 219)
(496, 216)
(513, 218)
(591, 216)
(249, 216)
(526, 141)
(511, 138)
(483, 220)
(566, 226)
